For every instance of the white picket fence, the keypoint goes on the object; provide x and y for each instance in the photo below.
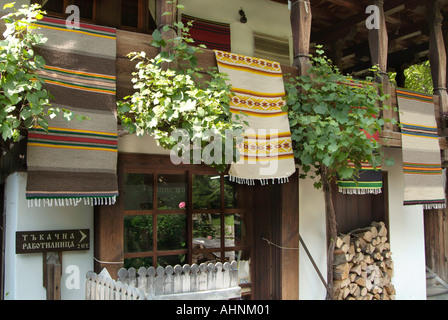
(205, 282)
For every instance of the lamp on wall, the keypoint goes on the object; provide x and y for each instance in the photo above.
(243, 18)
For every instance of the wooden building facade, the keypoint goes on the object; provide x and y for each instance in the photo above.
(407, 32)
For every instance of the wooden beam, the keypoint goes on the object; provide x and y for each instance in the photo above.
(301, 17)
(378, 42)
(437, 53)
(340, 27)
(354, 5)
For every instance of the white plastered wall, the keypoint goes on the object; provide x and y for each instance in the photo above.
(406, 236)
(23, 272)
(263, 16)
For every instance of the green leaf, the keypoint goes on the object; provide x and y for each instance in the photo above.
(321, 108)
(156, 35)
(9, 5)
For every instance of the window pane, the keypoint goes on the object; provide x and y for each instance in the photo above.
(138, 191)
(171, 191)
(138, 231)
(171, 231)
(137, 262)
(171, 260)
(206, 231)
(129, 13)
(206, 192)
(54, 5)
(206, 257)
(85, 8)
(230, 194)
(234, 230)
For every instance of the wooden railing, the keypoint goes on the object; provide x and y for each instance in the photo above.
(188, 282)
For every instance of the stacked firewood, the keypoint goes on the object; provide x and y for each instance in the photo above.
(363, 267)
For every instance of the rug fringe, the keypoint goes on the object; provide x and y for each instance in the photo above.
(360, 191)
(263, 182)
(434, 206)
(71, 202)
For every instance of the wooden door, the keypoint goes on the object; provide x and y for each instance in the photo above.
(275, 216)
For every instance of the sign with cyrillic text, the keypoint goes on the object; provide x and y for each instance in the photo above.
(52, 240)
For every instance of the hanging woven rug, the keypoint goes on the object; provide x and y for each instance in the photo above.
(266, 151)
(423, 175)
(75, 161)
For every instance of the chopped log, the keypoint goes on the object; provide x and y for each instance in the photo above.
(359, 244)
(376, 289)
(360, 281)
(357, 291)
(363, 234)
(345, 282)
(364, 292)
(390, 289)
(357, 269)
(381, 228)
(339, 257)
(369, 285)
(339, 242)
(342, 293)
(368, 259)
(387, 254)
(341, 271)
(379, 247)
(346, 238)
(377, 256)
(353, 287)
(368, 249)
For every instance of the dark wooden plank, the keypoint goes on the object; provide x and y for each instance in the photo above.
(301, 18)
(109, 232)
(289, 261)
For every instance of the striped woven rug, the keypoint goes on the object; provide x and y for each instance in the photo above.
(214, 35)
(423, 175)
(266, 151)
(75, 162)
(369, 179)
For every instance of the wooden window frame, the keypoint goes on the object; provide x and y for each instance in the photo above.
(189, 251)
(142, 17)
(64, 15)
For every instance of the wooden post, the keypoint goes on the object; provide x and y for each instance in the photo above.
(378, 42)
(437, 54)
(301, 32)
(163, 19)
(52, 275)
(163, 6)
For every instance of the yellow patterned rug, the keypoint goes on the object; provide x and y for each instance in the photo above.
(266, 151)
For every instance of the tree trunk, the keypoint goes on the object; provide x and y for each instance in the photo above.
(331, 225)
